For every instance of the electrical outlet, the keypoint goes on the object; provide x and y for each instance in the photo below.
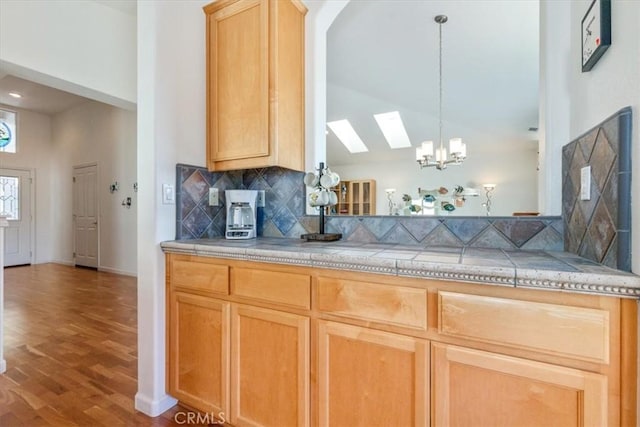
(260, 200)
(213, 196)
(585, 183)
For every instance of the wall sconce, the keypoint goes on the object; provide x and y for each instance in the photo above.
(390, 192)
(114, 187)
(488, 188)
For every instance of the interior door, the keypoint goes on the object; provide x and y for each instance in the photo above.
(15, 204)
(85, 215)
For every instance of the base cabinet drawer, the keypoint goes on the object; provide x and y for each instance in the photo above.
(576, 332)
(473, 387)
(389, 304)
(371, 378)
(283, 288)
(199, 275)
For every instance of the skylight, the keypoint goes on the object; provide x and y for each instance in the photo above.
(391, 126)
(348, 136)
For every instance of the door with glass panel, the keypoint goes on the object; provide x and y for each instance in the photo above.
(15, 205)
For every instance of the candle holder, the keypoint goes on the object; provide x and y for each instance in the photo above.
(390, 192)
(488, 188)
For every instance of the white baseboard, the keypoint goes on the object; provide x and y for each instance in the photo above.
(3, 366)
(154, 408)
(116, 271)
(63, 262)
(100, 268)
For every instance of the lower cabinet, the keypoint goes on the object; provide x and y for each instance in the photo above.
(473, 387)
(198, 370)
(264, 345)
(371, 378)
(270, 367)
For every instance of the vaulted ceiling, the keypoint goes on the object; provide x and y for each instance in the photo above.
(383, 56)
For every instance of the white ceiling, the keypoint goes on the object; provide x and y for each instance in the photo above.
(36, 97)
(44, 99)
(383, 56)
(127, 6)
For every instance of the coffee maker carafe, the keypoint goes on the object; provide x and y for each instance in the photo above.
(241, 214)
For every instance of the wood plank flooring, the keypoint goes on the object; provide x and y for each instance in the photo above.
(70, 346)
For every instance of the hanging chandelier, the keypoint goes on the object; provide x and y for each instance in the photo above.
(458, 151)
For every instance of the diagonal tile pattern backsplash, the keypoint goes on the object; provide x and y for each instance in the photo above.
(284, 216)
(600, 228)
(195, 219)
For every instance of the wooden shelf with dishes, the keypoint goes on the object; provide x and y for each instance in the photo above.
(355, 197)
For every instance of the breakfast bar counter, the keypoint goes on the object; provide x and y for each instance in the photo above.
(560, 271)
(343, 333)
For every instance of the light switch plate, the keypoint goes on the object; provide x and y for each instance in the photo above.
(260, 200)
(168, 194)
(585, 183)
(213, 196)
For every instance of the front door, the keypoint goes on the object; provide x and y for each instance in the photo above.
(85, 215)
(15, 204)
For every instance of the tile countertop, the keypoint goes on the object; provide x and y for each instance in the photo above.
(561, 271)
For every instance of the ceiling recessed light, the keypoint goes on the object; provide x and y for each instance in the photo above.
(348, 136)
(15, 94)
(391, 126)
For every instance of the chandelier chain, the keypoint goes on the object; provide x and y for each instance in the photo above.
(440, 82)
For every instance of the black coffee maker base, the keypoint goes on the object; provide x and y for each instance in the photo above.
(321, 237)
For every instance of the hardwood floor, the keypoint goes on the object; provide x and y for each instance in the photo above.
(70, 346)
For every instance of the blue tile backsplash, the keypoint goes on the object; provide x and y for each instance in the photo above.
(599, 229)
(284, 216)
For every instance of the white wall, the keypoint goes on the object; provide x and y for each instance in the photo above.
(171, 129)
(613, 83)
(554, 111)
(88, 49)
(511, 171)
(50, 146)
(34, 152)
(97, 133)
(318, 20)
(82, 47)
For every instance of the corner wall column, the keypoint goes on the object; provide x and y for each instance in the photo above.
(3, 363)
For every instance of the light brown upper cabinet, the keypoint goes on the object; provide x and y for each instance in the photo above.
(255, 84)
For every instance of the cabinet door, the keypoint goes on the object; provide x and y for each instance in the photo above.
(472, 387)
(270, 368)
(237, 55)
(362, 196)
(368, 208)
(371, 378)
(199, 352)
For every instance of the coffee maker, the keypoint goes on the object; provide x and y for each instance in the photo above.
(241, 214)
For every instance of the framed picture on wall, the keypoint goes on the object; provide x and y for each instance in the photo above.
(596, 33)
(8, 135)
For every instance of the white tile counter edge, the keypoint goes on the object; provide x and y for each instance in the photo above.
(571, 274)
